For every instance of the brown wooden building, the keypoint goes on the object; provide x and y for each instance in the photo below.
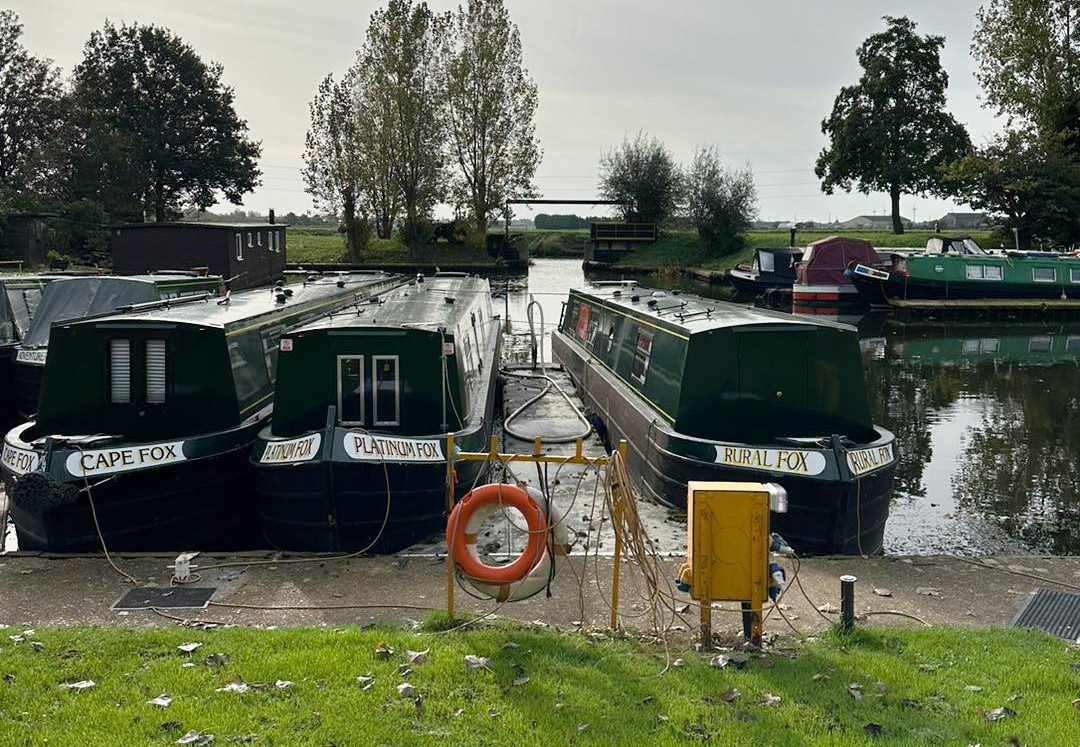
(251, 254)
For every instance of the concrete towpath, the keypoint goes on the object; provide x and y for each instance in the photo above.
(37, 590)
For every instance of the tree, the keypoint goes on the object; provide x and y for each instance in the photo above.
(643, 176)
(333, 161)
(157, 127)
(720, 203)
(1032, 181)
(1029, 56)
(890, 131)
(401, 69)
(491, 104)
(30, 116)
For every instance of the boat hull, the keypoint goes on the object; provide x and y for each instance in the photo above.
(826, 295)
(899, 287)
(831, 510)
(748, 283)
(27, 386)
(201, 501)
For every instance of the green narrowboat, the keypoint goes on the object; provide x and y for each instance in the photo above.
(77, 297)
(355, 456)
(19, 299)
(958, 274)
(148, 415)
(706, 390)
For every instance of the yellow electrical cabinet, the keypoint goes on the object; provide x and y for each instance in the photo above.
(728, 539)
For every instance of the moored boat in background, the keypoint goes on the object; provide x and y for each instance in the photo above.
(820, 275)
(355, 455)
(147, 417)
(19, 299)
(705, 390)
(771, 268)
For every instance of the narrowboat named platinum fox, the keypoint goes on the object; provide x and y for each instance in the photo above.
(706, 390)
(355, 456)
(148, 415)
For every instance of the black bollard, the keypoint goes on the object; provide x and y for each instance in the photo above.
(847, 602)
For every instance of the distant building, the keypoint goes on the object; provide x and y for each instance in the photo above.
(872, 223)
(27, 236)
(252, 254)
(955, 221)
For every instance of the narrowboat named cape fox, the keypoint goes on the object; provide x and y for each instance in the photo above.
(706, 390)
(148, 415)
(355, 456)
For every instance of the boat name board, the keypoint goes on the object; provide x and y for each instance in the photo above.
(790, 461)
(871, 272)
(367, 448)
(34, 357)
(90, 463)
(20, 461)
(294, 450)
(866, 460)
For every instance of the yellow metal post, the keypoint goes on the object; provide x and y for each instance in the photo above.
(449, 508)
(616, 524)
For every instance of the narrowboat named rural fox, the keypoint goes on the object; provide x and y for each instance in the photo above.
(969, 275)
(355, 456)
(820, 278)
(148, 415)
(72, 298)
(705, 390)
(772, 268)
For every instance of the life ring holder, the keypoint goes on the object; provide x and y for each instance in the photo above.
(538, 563)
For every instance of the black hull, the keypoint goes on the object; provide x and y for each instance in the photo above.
(755, 286)
(336, 507)
(841, 516)
(27, 387)
(898, 287)
(204, 504)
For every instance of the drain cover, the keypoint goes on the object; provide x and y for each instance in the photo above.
(166, 597)
(1053, 611)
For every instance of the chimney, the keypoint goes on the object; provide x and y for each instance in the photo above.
(271, 216)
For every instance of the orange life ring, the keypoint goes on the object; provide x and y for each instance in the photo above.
(468, 516)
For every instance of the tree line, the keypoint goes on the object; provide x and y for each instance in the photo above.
(141, 126)
(717, 201)
(890, 131)
(437, 108)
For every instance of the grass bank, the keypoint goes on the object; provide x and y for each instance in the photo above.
(935, 686)
(681, 249)
(315, 245)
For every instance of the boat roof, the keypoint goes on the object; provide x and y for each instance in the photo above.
(217, 312)
(423, 303)
(687, 312)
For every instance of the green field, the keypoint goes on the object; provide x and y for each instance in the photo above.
(321, 245)
(933, 686)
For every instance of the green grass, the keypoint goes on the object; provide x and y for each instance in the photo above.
(578, 692)
(322, 246)
(683, 248)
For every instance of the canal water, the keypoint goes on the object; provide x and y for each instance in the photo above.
(987, 416)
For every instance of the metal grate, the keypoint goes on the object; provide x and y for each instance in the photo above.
(1055, 612)
(166, 597)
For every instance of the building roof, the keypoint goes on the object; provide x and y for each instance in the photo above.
(964, 215)
(876, 218)
(198, 224)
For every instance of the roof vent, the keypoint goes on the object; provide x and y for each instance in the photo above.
(341, 284)
(651, 303)
(635, 298)
(281, 298)
(288, 292)
(616, 293)
(658, 294)
(448, 299)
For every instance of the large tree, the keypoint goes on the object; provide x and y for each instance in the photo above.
(333, 161)
(491, 104)
(721, 203)
(890, 132)
(401, 66)
(643, 176)
(1029, 59)
(158, 129)
(30, 118)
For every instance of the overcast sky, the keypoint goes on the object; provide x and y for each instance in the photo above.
(754, 78)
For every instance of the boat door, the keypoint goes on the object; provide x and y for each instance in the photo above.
(772, 366)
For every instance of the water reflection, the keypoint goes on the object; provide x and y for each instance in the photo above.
(987, 417)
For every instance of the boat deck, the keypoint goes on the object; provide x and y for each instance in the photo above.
(986, 307)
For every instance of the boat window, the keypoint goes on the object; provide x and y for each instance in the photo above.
(1044, 274)
(1072, 343)
(983, 272)
(993, 272)
(155, 372)
(270, 342)
(120, 371)
(582, 320)
(350, 389)
(251, 244)
(248, 366)
(594, 324)
(258, 238)
(767, 264)
(385, 380)
(1040, 343)
(239, 248)
(610, 337)
(970, 347)
(1074, 275)
(642, 352)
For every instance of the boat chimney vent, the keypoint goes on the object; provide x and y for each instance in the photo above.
(651, 303)
(616, 293)
(281, 298)
(635, 298)
(449, 299)
(341, 284)
(271, 217)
